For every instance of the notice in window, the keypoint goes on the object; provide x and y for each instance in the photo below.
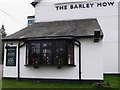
(11, 56)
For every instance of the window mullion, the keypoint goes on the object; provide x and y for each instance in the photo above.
(40, 52)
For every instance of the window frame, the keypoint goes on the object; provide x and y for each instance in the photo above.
(72, 54)
(7, 56)
(53, 51)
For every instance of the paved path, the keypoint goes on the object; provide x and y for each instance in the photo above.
(0, 71)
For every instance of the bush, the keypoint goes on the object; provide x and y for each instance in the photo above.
(102, 85)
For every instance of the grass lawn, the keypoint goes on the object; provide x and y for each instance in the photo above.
(113, 81)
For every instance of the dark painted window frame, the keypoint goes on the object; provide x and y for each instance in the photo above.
(7, 56)
(66, 52)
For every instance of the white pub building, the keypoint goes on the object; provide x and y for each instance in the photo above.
(69, 40)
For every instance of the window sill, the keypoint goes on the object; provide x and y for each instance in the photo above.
(69, 65)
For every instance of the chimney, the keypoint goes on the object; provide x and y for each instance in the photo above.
(31, 20)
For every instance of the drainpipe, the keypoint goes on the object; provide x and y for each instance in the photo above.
(19, 46)
(18, 60)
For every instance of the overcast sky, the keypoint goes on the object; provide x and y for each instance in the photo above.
(13, 14)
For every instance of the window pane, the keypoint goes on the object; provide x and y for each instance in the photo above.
(47, 44)
(35, 53)
(11, 56)
(27, 52)
(38, 45)
(47, 56)
(70, 53)
(47, 53)
(60, 53)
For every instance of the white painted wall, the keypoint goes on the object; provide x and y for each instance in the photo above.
(91, 65)
(10, 71)
(49, 72)
(91, 60)
(119, 35)
(110, 43)
(106, 16)
(46, 11)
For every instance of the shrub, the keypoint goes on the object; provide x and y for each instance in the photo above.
(102, 85)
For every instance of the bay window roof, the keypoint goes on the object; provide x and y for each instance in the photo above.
(70, 28)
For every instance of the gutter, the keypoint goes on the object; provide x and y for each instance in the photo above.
(53, 37)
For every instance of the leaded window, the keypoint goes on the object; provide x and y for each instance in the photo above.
(50, 52)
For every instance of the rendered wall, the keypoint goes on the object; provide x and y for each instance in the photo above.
(10, 71)
(49, 72)
(91, 65)
(91, 60)
(106, 14)
(46, 10)
(119, 36)
(110, 43)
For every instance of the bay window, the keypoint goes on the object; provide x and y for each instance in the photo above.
(50, 52)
